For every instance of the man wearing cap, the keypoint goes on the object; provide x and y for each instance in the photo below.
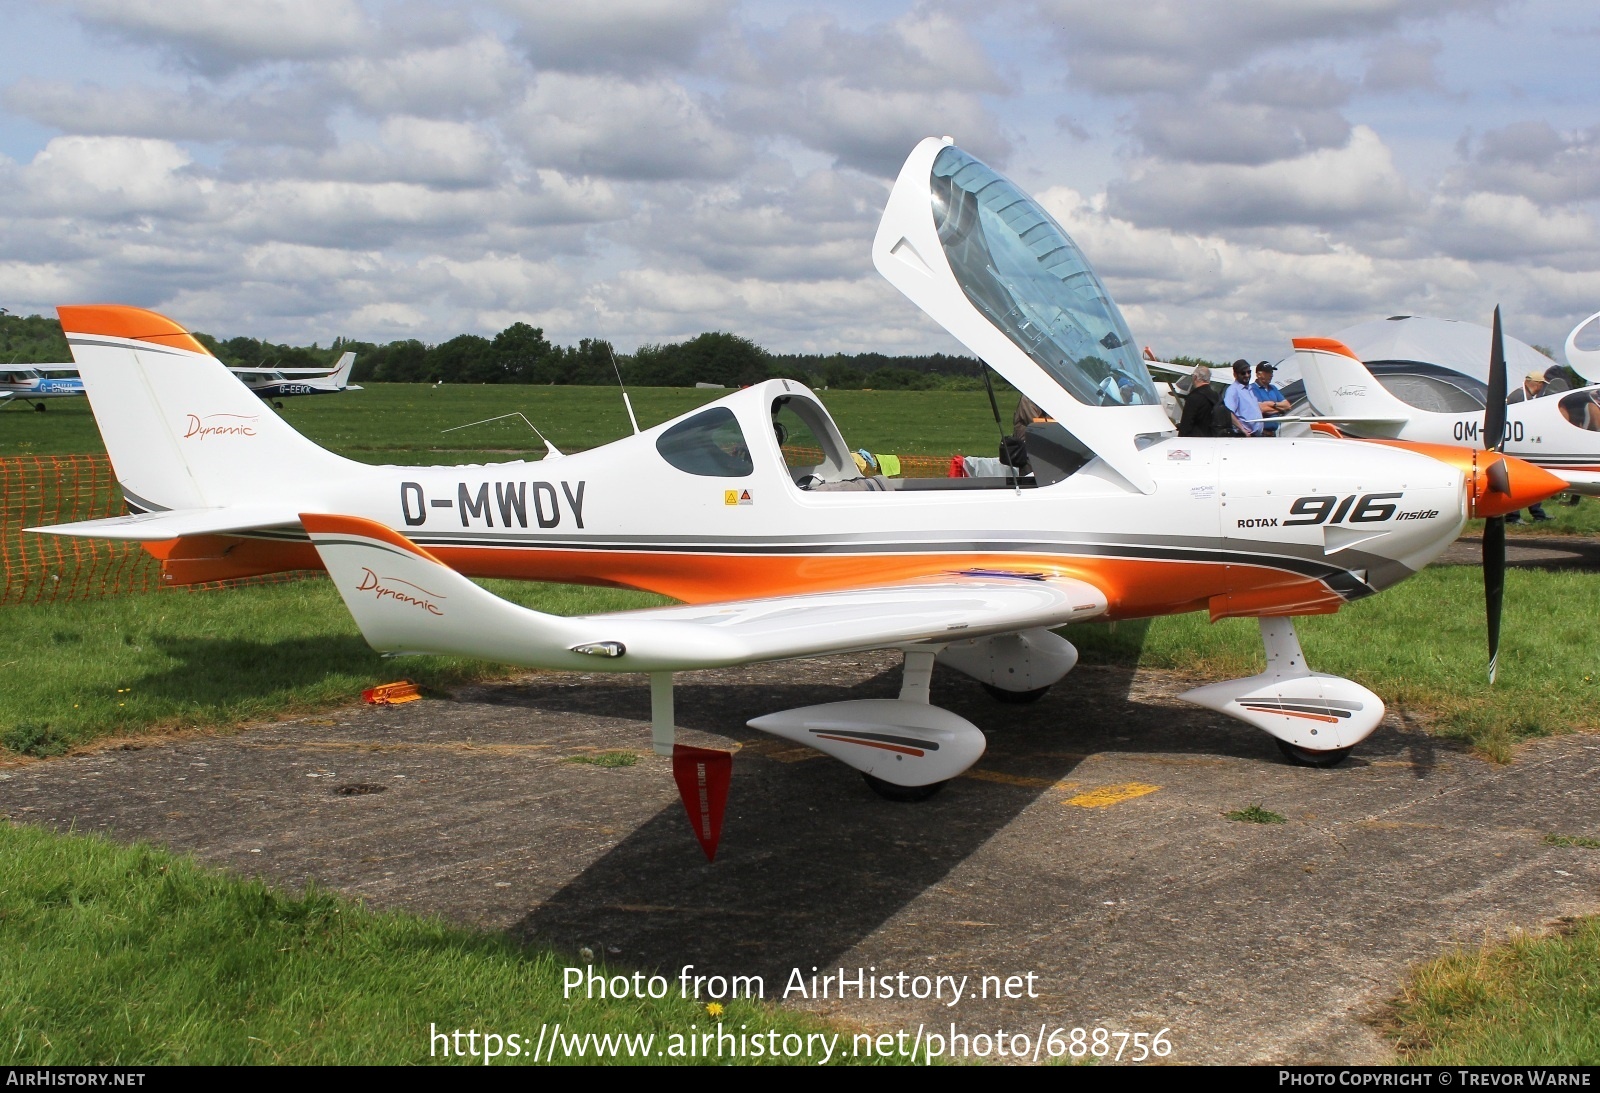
(1242, 405)
(1267, 395)
(1533, 386)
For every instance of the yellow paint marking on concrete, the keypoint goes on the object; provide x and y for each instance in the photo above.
(1015, 779)
(1106, 796)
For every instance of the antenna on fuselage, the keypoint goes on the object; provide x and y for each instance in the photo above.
(550, 450)
(1015, 472)
(625, 400)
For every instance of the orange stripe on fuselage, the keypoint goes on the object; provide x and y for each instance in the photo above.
(1134, 587)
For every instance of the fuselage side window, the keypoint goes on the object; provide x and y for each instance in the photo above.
(710, 444)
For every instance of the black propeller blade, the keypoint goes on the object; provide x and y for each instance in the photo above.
(1494, 528)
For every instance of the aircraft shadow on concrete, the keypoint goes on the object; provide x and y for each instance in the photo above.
(222, 671)
(812, 862)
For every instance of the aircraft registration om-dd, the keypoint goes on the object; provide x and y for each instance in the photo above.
(1120, 518)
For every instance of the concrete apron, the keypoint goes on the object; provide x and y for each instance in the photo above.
(1089, 847)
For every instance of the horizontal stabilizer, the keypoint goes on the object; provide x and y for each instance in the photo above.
(406, 601)
(175, 523)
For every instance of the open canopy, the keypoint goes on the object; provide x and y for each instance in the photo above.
(986, 261)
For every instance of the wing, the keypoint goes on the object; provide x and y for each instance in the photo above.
(53, 367)
(406, 601)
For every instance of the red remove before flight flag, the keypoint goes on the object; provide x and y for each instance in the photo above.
(702, 775)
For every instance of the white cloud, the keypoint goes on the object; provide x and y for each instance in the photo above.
(478, 74)
(281, 115)
(434, 153)
(1508, 227)
(1325, 188)
(1175, 44)
(111, 178)
(216, 35)
(1211, 130)
(1535, 159)
(615, 35)
(868, 128)
(1399, 64)
(1238, 170)
(782, 228)
(653, 129)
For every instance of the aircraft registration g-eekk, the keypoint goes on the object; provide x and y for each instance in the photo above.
(1121, 519)
(271, 384)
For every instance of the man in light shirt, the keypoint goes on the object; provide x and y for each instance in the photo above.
(1242, 405)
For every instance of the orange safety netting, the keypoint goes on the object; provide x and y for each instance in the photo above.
(58, 489)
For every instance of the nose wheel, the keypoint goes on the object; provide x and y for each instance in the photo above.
(907, 794)
(1015, 698)
(1307, 757)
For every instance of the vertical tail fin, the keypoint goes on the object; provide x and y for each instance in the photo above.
(181, 430)
(339, 378)
(1340, 386)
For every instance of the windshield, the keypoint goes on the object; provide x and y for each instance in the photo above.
(1021, 270)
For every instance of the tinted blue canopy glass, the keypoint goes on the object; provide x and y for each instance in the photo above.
(1022, 271)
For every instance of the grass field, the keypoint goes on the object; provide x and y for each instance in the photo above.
(89, 669)
(131, 956)
(1525, 1001)
(403, 422)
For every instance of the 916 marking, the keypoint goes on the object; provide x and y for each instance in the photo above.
(1365, 509)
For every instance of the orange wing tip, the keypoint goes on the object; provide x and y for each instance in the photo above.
(1327, 345)
(121, 321)
(327, 523)
(391, 694)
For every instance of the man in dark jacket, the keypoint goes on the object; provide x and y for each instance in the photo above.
(1200, 407)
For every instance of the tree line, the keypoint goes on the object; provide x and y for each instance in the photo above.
(522, 354)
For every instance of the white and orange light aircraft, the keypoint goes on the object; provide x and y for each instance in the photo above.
(1429, 403)
(1121, 519)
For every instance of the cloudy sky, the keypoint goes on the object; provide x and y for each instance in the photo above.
(1239, 171)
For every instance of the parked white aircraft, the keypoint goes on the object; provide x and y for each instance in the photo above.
(272, 384)
(1121, 519)
(1431, 403)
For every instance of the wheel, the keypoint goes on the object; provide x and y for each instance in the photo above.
(1015, 698)
(40, 407)
(1310, 757)
(891, 792)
